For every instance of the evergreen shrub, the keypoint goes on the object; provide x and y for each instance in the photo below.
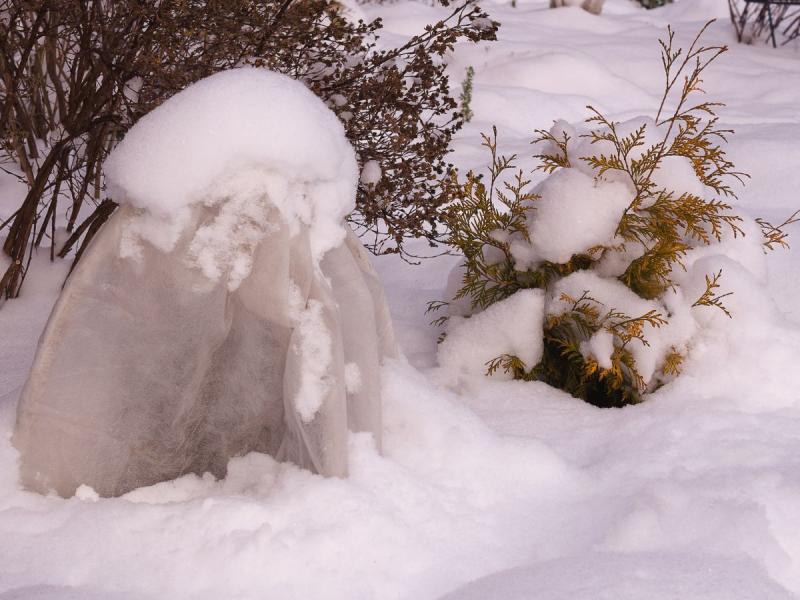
(466, 94)
(654, 3)
(604, 236)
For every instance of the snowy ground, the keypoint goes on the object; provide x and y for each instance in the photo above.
(693, 495)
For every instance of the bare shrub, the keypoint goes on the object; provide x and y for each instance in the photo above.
(75, 75)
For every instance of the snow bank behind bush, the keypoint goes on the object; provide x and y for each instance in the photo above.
(194, 148)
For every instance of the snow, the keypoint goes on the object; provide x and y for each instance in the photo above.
(460, 307)
(611, 294)
(352, 378)
(575, 213)
(600, 346)
(512, 326)
(677, 174)
(314, 344)
(612, 576)
(243, 132)
(84, 492)
(494, 489)
(371, 172)
(228, 243)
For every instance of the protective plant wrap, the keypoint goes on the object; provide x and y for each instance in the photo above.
(160, 362)
(146, 372)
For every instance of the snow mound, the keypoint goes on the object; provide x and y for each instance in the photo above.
(512, 326)
(54, 592)
(189, 150)
(575, 213)
(654, 576)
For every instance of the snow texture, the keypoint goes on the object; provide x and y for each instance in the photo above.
(600, 347)
(313, 340)
(693, 494)
(656, 576)
(249, 120)
(512, 326)
(371, 173)
(576, 212)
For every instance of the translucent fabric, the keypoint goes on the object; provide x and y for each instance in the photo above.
(148, 370)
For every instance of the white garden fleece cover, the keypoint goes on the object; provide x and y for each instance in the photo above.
(224, 309)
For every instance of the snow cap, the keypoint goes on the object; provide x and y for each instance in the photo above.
(243, 119)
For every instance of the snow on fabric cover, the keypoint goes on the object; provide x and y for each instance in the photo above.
(218, 310)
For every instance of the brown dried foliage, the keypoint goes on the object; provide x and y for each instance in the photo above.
(76, 75)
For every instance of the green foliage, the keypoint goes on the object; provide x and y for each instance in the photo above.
(480, 220)
(655, 231)
(466, 95)
(564, 365)
(654, 3)
(667, 224)
(483, 220)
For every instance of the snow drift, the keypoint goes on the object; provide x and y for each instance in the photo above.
(692, 494)
(225, 308)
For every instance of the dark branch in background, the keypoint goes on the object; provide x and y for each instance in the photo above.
(75, 76)
(775, 22)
